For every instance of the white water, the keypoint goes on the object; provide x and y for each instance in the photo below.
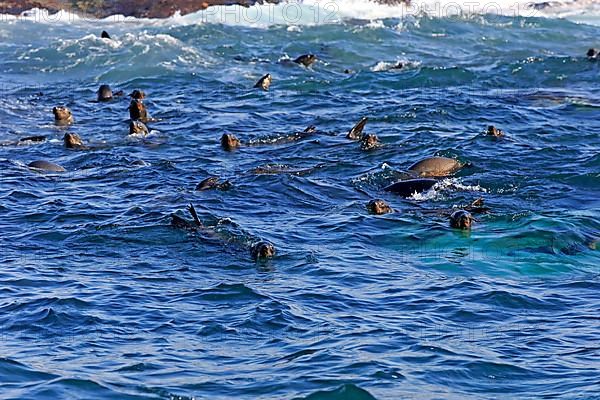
(311, 12)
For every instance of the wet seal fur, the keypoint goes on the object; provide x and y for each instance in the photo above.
(62, 115)
(436, 167)
(73, 141)
(105, 93)
(46, 166)
(212, 182)
(229, 142)
(306, 59)
(409, 187)
(461, 219)
(379, 207)
(367, 141)
(593, 54)
(493, 131)
(138, 128)
(259, 250)
(264, 83)
(137, 111)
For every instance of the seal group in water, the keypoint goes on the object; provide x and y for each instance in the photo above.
(378, 207)
(62, 115)
(264, 83)
(229, 142)
(306, 59)
(46, 166)
(411, 186)
(461, 219)
(436, 167)
(73, 141)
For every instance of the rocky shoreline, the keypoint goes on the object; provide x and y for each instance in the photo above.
(130, 8)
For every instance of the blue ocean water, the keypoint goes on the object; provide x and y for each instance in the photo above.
(101, 298)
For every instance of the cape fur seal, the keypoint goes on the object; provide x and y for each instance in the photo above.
(46, 166)
(493, 131)
(306, 59)
(461, 219)
(62, 115)
(593, 54)
(411, 186)
(436, 167)
(356, 133)
(138, 128)
(264, 83)
(378, 207)
(137, 111)
(259, 250)
(73, 141)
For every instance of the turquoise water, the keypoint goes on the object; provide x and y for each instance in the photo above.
(101, 298)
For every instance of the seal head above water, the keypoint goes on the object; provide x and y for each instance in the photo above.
(378, 207)
(229, 142)
(262, 250)
(461, 219)
(73, 141)
(138, 128)
(493, 131)
(62, 115)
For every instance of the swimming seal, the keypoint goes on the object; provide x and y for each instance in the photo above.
(62, 115)
(369, 142)
(105, 93)
(356, 133)
(212, 182)
(262, 250)
(73, 141)
(264, 83)
(46, 166)
(411, 186)
(493, 131)
(259, 250)
(593, 54)
(436, 167)
(138, 128)
(229, 142)
(105, 35)
(137, 111)
(461, 219)
(34, 139)
(378, 207)
(306, 59)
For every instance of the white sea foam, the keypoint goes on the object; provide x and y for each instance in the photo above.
(312, 12)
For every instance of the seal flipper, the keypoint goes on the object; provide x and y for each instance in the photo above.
(105, 35)
(195, 215)
(356, 132)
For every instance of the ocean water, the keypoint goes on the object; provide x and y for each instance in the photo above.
(101, 298)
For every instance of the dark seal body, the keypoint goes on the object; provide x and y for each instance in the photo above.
(436, 167)
(306, 59)
(409, 187)
(264, 83)
(137, 111)
(46, 166)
